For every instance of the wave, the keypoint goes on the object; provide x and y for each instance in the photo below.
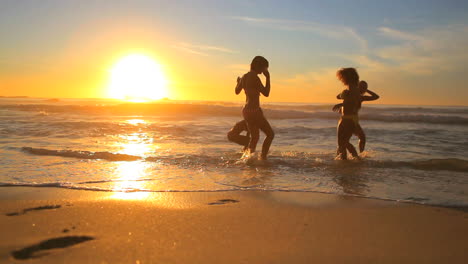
(80, 129)
(104, 155)
(94, 104)
(422, 110)
(428, 119)
(448, 116)
(385, 117)
(450, 164)
(290, 160)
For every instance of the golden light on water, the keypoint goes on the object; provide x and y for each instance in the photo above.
(136, 121)
(130, 174)
(137, 78)
(138, 145)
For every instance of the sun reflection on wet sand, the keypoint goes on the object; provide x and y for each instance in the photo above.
(130, 179)
(133, 178)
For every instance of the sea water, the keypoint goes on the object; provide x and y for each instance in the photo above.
(413, 153)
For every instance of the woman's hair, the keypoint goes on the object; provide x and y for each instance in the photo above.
(348, 76)
(362, 86)
(258, 63)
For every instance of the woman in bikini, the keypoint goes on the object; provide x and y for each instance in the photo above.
(349, 115)
(253, 114)
(359, 132)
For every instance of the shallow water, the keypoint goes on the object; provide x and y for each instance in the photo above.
(413, 154)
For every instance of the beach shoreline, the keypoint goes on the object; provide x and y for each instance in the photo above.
(52, 225)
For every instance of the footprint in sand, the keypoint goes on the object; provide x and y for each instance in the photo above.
(45, 207)
(66, 230)
(53, 243)
(223, 201)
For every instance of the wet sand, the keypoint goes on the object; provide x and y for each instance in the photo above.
(51, 225)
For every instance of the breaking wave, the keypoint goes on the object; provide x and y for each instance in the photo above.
(449, 116)
(104, 155)
(292, 161)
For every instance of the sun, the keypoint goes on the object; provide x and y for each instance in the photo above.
(137, 78)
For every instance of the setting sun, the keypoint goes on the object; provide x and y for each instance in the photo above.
(137, 78)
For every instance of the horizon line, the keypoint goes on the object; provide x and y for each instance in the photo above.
(199, 100)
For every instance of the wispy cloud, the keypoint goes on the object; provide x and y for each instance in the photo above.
(190, 50)
(216, 48)
(427, 50)
(202, 50)
(397, 34)
(416, 60)
(330, 31)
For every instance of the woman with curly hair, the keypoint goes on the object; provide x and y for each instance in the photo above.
(349, 120)
(359, 132)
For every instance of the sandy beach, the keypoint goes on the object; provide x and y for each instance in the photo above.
(50, 225)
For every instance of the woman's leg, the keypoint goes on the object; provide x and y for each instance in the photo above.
(254, 136)
(239, 139)
(265, 126)
(254, 131)
(345, 131)
(352, 150)
(234, 135)
(362, 137)
(252, 128)
(341, 152)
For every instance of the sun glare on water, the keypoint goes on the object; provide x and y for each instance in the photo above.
(137, 78)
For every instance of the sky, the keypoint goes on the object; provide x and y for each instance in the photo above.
(409, 52)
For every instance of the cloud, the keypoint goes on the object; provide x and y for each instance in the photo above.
(202, 50)
(406, 66)
(330, 31)
(393, 33)
(190, 50)
(215, 48)
(405, 63)
(420, 51)
(426, 51)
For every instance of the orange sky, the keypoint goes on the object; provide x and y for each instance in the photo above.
(62, 54)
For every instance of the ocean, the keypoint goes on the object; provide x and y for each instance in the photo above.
(414, 153)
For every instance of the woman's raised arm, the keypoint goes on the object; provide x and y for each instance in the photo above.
(239, 85)
(373, 96)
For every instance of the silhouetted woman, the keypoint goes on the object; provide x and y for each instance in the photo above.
(349, 120)
(252, 112)
(358, 131)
